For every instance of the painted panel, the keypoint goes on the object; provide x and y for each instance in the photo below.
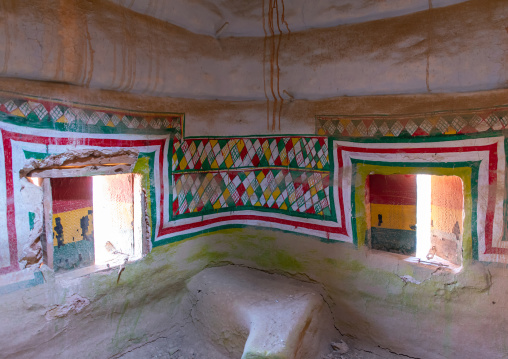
(225, 153)
(276, 182)
(271, 189)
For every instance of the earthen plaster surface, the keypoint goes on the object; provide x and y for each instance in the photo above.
(368, 292)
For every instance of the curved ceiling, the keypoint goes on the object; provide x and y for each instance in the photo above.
(103, 45)
(246, 17)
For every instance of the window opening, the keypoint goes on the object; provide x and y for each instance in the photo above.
(72, 222)
(94, 220)
(417, 215)
(423, 215)
(117, 202)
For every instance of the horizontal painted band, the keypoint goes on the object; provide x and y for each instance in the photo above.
(394, 217)
(393, 189)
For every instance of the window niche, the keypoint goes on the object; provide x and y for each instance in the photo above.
(94, 209)
(417, 215)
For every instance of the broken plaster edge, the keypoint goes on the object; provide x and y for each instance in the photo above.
(96, 158)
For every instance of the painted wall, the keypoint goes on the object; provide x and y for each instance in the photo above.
(278, 178)
(249, 188)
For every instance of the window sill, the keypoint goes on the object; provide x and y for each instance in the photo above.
(437, 262)
(81, 272)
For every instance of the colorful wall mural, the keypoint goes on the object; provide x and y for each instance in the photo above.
(313, 185)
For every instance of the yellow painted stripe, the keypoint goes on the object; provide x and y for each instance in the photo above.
(71, 223)
(394, 217)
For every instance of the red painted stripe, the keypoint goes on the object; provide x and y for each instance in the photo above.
(240, 217)
(393, 189)
(71, 193)
(71, 205)
(11, 210)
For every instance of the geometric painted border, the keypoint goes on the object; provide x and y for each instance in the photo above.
(488, 152)
(413, 125)
(275, 174)
(209, 154)
(52, 114)
(298, 193)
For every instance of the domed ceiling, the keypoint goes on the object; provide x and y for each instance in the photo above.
(224, 49)
(245, 17)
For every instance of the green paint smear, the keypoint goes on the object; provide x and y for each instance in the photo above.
(31, 220)
(35, 155)
(205, 253)
(67, 257)
(145, 167)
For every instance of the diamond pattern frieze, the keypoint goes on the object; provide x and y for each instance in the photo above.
(277, 189)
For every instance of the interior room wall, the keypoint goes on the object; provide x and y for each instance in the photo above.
(388, 96)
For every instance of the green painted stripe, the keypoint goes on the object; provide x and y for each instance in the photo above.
(35, 155)
(251, 168)
(394, 240)
(169, 158)
(38, 279)
(332, 179)
(151, 190)
(79, 127)
(424, 165)
(299, 135)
